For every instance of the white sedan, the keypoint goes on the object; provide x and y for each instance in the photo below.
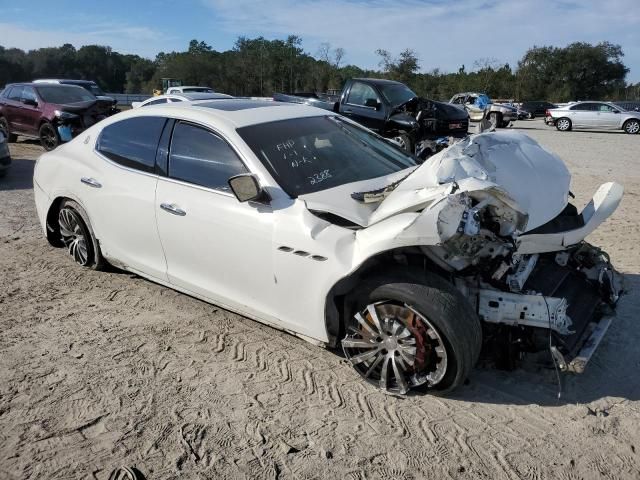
(308, 222)
(179, 97)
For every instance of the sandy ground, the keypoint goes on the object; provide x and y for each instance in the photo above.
(102, 369)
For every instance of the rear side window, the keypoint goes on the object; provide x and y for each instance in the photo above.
(360, 93)
(156, 102)
(133, 142)
(200, 157)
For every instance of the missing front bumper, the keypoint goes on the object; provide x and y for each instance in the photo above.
(591, 339)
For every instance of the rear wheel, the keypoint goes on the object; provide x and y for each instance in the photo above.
(632, 126)
(409, 332)
(563, 124)
(77, 236)
(4, 128)
(495, 119)
(49, 138)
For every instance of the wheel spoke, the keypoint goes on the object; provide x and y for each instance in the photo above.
(384, 372)
(359, 343)
(399, 374)
(363, 357)
(374, 316)
(365, 325)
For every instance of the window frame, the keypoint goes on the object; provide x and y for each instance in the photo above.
(375, 90)
(209, 129)
(155, 172)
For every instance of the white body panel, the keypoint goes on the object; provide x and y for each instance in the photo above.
(277, 262)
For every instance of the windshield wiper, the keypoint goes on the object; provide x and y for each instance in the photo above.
(379, 194)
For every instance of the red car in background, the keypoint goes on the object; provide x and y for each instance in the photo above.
(49, 112)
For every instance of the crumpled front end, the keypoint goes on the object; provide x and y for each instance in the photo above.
(493, 212)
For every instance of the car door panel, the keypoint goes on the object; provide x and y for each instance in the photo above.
(214, 245)
(120, 190)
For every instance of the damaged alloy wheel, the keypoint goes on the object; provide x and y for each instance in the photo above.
(412, 332)
(77, 236)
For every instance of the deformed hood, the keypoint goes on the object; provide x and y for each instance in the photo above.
(535, 180)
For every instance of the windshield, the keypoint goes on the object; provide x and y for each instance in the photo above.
(95, 89)
(397, 93)
(62, 94)
(306, 155)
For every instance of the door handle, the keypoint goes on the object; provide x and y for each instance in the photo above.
(92, 182)
(169, 207)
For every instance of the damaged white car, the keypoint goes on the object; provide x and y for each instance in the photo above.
(308, 222)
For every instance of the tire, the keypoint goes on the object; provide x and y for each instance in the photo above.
(403, 140)
(77, 236)
(563, 124)
(504, 124)
(413, 306)
(495, 119)
(531, 116)
(4, 127)
(632, 127)
(49, 138)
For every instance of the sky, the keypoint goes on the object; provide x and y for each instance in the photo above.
(445, 34)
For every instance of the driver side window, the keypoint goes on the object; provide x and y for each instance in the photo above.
(360, 93)
(200, 157)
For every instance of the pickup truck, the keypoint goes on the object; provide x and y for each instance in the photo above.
(392, 110)
(480, 106)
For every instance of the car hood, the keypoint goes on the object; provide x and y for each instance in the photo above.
(528, 178)
(451, 111)
(78, 107)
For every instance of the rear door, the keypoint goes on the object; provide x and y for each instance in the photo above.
(119, 190)
(583, 115)
(359, 106)
(13, 109)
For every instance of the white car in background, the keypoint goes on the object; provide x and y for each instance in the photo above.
(306, 221)
(593, 115)
(179, 97)
(189, 89)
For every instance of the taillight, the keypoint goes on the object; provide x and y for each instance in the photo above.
(546, 113)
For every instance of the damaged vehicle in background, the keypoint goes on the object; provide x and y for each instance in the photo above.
(108, 104)
(306, 221)
(51, 113)
(480, 107)
(391, 109)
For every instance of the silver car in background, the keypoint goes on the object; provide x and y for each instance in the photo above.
(598, 115)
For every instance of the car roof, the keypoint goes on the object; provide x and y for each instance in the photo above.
(68, 81)
(200, 95)
(379, 81)
(41, 84)
(228, 113)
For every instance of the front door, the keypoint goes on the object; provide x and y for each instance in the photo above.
(30, 113)
(364, 105)
(215, 246)
(608, 117)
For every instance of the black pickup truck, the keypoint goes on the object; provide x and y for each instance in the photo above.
(393, 110)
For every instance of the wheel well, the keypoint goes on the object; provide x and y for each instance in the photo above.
(53, 230)
(629, 120)
(337, 304)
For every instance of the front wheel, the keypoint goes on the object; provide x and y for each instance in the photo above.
(563, 124)
(412, 331)
(49, 138)
(403, 140)
(632, 126)
(495, 119)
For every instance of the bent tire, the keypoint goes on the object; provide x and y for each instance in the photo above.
(632, 126)
(77, 236)
(411, 330)
(4, 128)
(563, 124)
(49, 138)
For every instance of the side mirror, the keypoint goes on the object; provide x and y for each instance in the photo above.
(30, 101)
(246, 188)
(372, 103)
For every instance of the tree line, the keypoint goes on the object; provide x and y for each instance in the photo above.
(260, 67)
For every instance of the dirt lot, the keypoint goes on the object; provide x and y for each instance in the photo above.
(102, 369)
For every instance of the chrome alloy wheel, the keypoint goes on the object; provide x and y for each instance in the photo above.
(395, 347)
(563, 124)
(632, 126)
(73, 235)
